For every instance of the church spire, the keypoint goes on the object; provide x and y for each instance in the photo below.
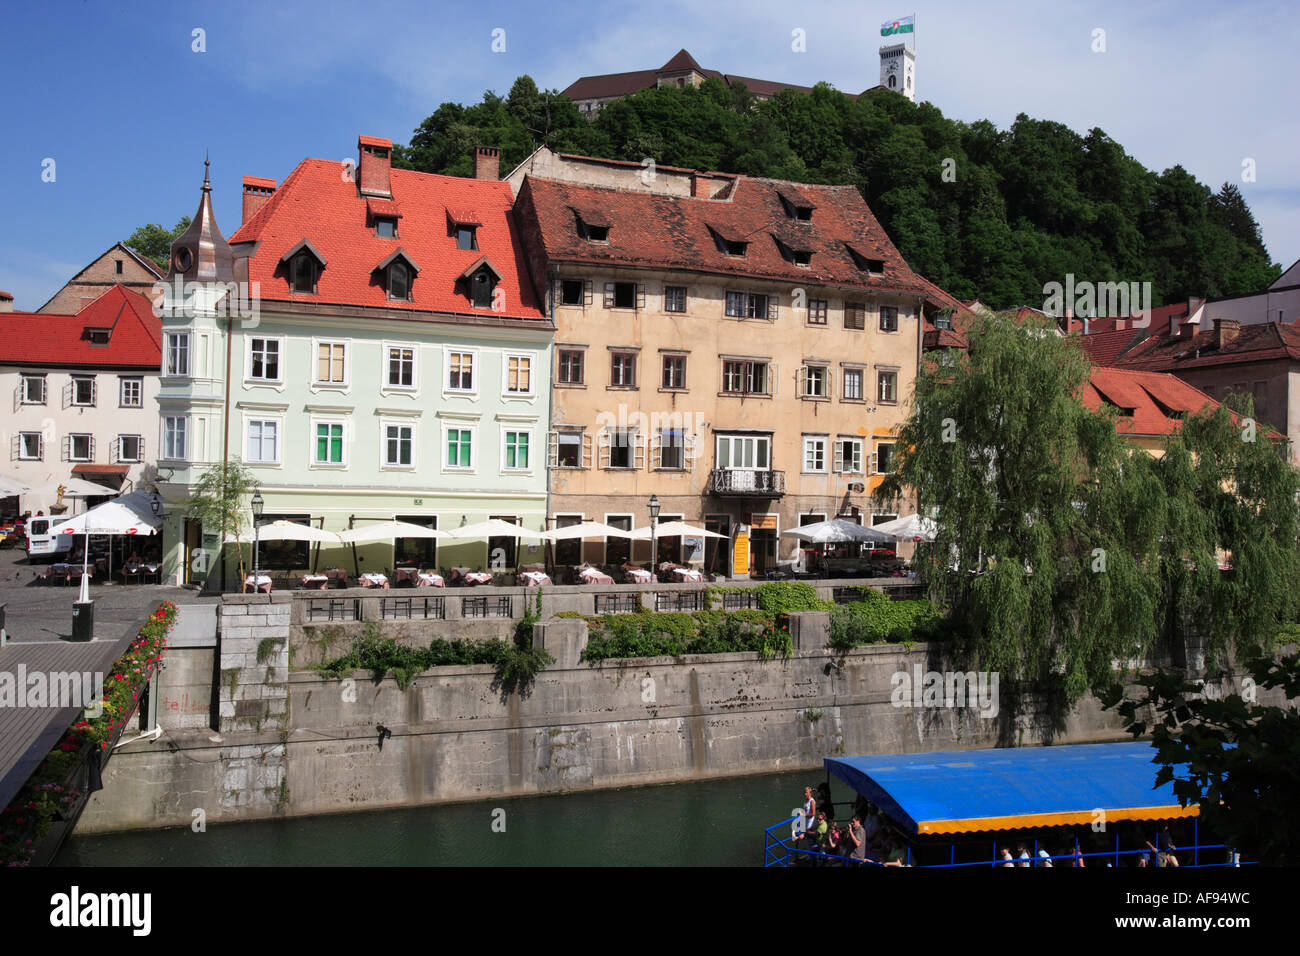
(201, 253)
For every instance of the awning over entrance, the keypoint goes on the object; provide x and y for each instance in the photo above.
(963, 791)
(110, 476)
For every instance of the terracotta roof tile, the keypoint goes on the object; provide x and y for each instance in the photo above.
(319, 203)
(53, 341)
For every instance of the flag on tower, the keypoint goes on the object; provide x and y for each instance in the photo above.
(901, 25)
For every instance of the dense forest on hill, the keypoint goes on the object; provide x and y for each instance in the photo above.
(1012, 211)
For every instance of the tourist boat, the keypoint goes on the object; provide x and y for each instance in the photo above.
(1081, 805)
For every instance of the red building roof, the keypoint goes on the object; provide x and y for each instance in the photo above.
(62, 341)
(1149, 403)
(657, 231)
(319, 202)
(1262, 342)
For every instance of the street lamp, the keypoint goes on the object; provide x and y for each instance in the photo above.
(156, 504)
(653, 508)
(258, 504)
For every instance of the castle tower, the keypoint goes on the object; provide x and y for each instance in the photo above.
(898, 69)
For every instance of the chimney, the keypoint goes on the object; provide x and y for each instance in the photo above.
(1121, 325)
(487, 162)
(374, 163)
(1225, 330)
(1187, 329)
(256, 192)
(701, 186)
(6, 302)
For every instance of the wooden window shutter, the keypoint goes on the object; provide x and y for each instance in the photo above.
(688, 451)
(656, 449)
(839, 455)
(67, 448)
(874, 462)
(552, 450)
(15, 447)
(640, 295)
(773, 307)
(830, 382)
(67, 394)
(91, 456)
(801, 380)
(609, 295)
(604, 448)
(586, 292)
(638, 449)
(115, 450)
(587, 455)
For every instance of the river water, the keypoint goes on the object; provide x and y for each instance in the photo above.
(706, 823)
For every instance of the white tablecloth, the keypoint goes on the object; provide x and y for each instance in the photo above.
(373, 580)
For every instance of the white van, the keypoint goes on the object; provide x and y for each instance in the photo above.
(42, 544)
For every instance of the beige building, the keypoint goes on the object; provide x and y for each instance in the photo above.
(116, 266)
(744, 354)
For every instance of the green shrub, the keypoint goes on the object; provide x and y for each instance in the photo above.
(675, 634)
(782, 597)
(877, 619)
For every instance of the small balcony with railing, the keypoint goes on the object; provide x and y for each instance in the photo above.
(744, 483)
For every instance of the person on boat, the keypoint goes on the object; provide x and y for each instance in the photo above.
(809, 809)
(819, 836)
(1044, 858)
(1165, 855)
(854, 840)
(896, 855)
(1022, 855)
(1006, 858)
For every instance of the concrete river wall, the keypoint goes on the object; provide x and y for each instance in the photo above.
(251, 732)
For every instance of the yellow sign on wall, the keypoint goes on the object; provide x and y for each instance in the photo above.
(740, 553)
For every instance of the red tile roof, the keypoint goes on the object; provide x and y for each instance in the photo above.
(1105, 348)
(652, 230)
(55, 341)
(319, 203)
(1262, 342)
(1151, 403)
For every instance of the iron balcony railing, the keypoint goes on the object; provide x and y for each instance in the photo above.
(732, 481)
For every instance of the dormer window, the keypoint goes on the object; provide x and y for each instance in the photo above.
(399, 281)
(97, 336)
(386, 228)
(866, 263)
(592, 226)
(797, 206)
(303, 264)
(399, 271)
(731, 245)
(943, 322)
(466, 238)
(480, 289)
(304, 273)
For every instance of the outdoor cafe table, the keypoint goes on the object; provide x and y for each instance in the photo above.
(534, 579)
(638, 575)
(473, 577)
(427, 579)
(263, 583)
(594, 576)
(686, 574)
(316, 582)
(373, 580)
(337, 576)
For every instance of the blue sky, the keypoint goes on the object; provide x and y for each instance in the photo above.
(115, 94)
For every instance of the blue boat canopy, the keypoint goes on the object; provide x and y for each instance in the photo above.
(963, 791)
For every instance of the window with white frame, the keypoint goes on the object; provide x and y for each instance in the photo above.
(744, 452)
(83, 390)
(331, 363)
(519, 375)
(674, 298)
(852, 390)
(570, 367)
(175, 429)
(31, 446)
(815, 381)
(746, 378)
(883, 459)
(460, 371)
(460, 448)
(329, 445)
(177, 355)
(887, 387)
(129, 448)
(399, 446)
(79, 447)
(130, 392)
(747, 305)
(264, 359)
(569, 448)
(848, 455)
(888, 318)
(622, 448)
(814, 453)
(622, 370)
(263, 441)
(31, 390)
(401, 366)
(516, 455)
(672, 449)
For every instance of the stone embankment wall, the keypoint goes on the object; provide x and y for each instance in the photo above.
(281, 740)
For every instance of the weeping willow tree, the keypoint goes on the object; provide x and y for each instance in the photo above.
(1062, 548)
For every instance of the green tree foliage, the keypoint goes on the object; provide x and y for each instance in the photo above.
(1070, 549)
(220, 500)
(1235, 758)
(155, 242)
(983, 212)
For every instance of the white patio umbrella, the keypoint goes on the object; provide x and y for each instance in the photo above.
(494, 528)
(910, 528)
(12, 486)
(289, 531)
(127, 515)
(586, 529)
(387, 530)
(673, 529)
(837, 531)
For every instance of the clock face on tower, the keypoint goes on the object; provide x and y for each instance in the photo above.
(892, 68)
